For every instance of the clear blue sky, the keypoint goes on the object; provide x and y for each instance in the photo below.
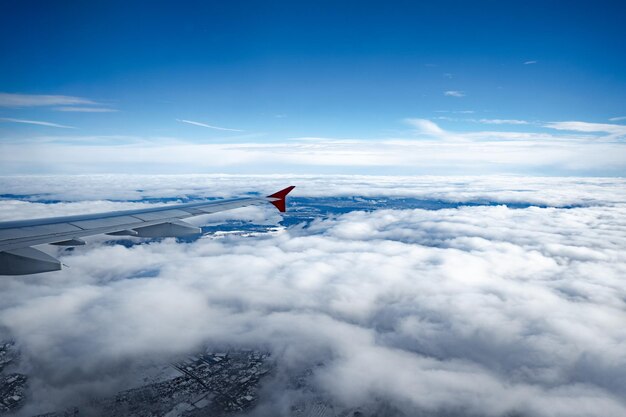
(280, 70)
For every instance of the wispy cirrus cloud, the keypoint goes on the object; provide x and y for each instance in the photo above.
(530, 62)
(456, 111)
(425, 126)
(191, 122)
(614, 131)
(483, 121)
(34, 100)
(617, 119)
(86, 109)
(35, 122)
(454, 93)
(503, 121)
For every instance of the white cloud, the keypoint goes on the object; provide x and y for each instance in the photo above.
(191, 122)
(425, 126)
(456, 111)
(428, 149)
(503, 121)
(490, 310)
(454, 93)
(613, 130)
(617, 119)
(530, 62)
(31, 100)
(568, 191)
(86, 109)
(34, 122)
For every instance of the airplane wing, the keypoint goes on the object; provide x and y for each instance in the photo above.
(18, 257)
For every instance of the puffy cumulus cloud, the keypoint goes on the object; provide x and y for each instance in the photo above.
(483, 310)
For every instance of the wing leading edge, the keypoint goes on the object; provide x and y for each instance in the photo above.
(17, 257)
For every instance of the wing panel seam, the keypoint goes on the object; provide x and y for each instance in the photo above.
(75, 225)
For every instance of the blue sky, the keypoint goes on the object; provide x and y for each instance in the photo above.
(120, 74)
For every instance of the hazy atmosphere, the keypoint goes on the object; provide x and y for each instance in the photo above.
(455, 244)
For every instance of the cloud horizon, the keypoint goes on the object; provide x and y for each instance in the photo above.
(562, 148)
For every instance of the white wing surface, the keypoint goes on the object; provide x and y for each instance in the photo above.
(18, 257)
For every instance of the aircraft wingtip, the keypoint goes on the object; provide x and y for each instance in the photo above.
(281, 195)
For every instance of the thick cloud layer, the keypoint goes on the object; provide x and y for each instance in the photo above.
(483, 310)
(72, 191)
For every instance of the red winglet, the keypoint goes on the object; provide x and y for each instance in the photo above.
(281, 195)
